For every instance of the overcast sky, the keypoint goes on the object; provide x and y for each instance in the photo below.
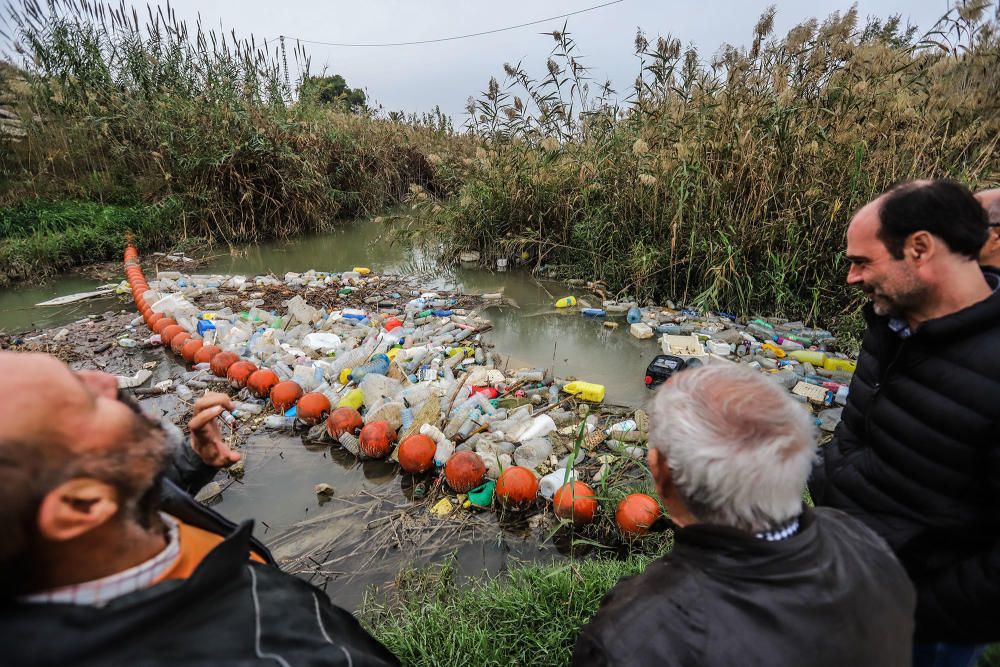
(415, 78)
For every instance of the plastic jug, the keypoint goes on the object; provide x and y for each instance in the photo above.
(352, 399)
(634, 315)
(588, 391)
(815, 358)
(566, 302)
(844, 365)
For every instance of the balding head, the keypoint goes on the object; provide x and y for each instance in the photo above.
(990, 201)
(68, 444)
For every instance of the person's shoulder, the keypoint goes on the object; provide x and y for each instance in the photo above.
(847, 531)
(666, 589)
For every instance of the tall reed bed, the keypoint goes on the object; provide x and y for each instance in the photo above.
(726, 181)
(128, 108)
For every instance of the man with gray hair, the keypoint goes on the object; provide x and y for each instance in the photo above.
(755, 577)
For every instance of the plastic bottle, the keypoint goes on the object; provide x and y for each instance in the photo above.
(634, 315)
(815, 358)
(549, 484)
(588, 391)
(566, 302)
(279, 422)
(352, 399)
(183, 392)
(379, 365)
(540, 427)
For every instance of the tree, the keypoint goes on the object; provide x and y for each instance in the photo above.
(332, 90)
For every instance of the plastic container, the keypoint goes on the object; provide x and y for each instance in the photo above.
(641, 330)
(634, 315)
(594, 312)
(588, 391)
(379, 365)
(352, 399)
(843, 365)
(815, 358)
(566, 302)
(549, 484)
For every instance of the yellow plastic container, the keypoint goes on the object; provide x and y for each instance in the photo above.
(345, 376)
(778, 352)
(391, 354)
(845, 365)
(469, 352)
(352, 399)
(808, 357)
(566, 302)
(363, 270)
(588, 391)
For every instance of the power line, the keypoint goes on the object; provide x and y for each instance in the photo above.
(449, 39)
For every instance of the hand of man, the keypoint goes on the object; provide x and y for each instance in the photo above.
(206, 436)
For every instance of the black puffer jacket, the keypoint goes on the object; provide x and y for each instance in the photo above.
(917, 458)
(830, 596)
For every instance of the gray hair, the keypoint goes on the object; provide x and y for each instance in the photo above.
(739, 447)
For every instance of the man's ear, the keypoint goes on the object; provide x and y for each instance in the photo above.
(76, 507)
(920, 246)
(660, 470)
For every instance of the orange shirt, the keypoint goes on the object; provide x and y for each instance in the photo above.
(195, 544)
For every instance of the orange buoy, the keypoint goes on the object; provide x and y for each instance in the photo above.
(464, 471)
(284, 394)
(206, 354)
(376, 439)
(416, 453)
(191, 348)
(312, 408)
(168, 332)
(575, 501)
(260, 382)
(178, 341)
(517, 487)
(344, 419)
(153, 319)
(221, 362)
(636, 513)
(240, 372)
(163, 324)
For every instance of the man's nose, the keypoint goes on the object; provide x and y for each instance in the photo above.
(854, 275)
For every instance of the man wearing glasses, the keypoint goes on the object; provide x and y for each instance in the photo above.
(989, 257)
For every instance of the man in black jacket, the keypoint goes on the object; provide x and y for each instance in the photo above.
(917, 455)
(106, 560)
(754, 578)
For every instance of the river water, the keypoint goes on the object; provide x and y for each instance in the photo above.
(277, 490)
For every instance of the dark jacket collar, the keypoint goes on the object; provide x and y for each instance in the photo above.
(984, 314)
(720, 544)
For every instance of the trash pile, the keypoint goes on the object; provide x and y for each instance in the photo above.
(387, 372)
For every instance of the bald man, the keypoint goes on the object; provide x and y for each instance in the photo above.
(103, 549)
(917, 454)
(989, 256)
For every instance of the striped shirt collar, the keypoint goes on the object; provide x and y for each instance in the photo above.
(779, 533)
(99, 592)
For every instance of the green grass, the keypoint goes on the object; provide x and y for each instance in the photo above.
(530, 615)
(38, 238)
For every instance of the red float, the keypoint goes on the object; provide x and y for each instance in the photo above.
(178, 341)
(168, 332)
(191, 348)
(206, 354)
(416, 453)
(517, 487)
(240, 372)
(344, 419)
(575, 501)
(464, 471)
(636, 513)
(376, 439)
(312, 408)
(163, 324)
(261, 382)
(284, 394)
(221, 362)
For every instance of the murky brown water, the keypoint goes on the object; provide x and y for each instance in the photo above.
(339, 534)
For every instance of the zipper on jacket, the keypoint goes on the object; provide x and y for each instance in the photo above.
(877, 389)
